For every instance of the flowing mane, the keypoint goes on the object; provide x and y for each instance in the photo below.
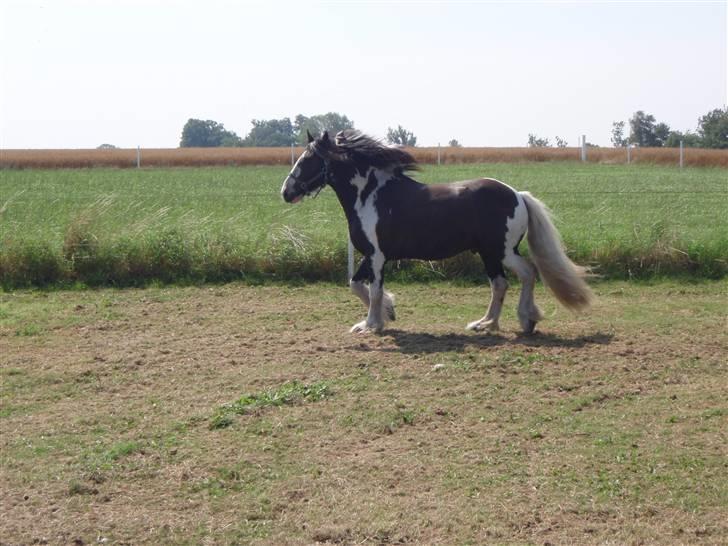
(357, 147)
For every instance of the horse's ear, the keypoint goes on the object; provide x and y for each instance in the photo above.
(325, 137)
(310, 137)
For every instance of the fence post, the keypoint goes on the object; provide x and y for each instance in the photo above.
(629, 154)
(139, 157)
(438, 154)
(350, 259)
(583, 147)
(292, 155)
(682, 154)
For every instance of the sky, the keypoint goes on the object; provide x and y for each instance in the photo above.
(77, 74)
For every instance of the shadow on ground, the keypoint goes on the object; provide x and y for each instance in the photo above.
(422, 343)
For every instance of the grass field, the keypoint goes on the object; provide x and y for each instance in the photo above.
(126, 227)
(241, 414)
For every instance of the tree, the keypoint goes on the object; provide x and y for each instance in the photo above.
(207, 134)
(106, 147)
(561, 143)
(641, 128)
(332, 122)
(662, 131)
(454, 144)
(271, 132)
(536, 142)
(231, 140)
(401, 136)
(690, 140)
(713, 129)
(618, 140)
(644, 132)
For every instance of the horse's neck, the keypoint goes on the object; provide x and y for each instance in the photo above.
(349, 183)
(354, 187)
(345, 193)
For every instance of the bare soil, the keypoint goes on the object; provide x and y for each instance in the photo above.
(604, 428)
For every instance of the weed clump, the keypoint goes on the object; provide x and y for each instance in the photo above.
(289, 393)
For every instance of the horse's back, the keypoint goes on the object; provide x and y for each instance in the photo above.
(489, 189)
(484, 201)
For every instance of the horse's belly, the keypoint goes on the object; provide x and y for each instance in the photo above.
(429, 245)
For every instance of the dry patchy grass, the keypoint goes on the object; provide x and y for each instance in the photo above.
(200, 157)
(603, 428)
(152, 157)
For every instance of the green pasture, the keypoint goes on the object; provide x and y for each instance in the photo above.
(127, 227)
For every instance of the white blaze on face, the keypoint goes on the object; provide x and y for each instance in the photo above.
(289, 181)
(295, 171)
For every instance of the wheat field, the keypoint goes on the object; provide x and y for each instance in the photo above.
(201, 157)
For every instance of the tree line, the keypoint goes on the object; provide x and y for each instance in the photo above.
(712, 132)
(198, 133)
(644, 130)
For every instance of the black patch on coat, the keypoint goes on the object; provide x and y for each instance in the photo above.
(432, 222)
(365, 272)
(515, 248)
(370, 187)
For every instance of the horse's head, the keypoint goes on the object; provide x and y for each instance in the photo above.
(311, 171)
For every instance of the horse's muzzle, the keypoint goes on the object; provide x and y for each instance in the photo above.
(289, 192)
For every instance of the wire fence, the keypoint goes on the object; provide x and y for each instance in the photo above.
(436, 155)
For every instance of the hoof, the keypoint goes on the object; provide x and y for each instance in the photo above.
(529, 327)
(363, 328)
(483, 326)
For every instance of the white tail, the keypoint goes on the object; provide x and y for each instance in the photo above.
(559, 273)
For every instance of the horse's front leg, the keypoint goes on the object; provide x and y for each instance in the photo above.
(372, 268)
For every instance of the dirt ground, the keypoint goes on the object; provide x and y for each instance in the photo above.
(604, 428)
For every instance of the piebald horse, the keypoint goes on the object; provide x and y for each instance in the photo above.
(393, 217)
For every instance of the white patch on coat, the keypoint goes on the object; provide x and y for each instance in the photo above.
(528, 312)
(368, 216)
(516, 226)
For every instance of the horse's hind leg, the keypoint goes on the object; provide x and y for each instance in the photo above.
(528, 313)
(498, 287)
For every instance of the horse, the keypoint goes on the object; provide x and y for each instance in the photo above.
(393, 217)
